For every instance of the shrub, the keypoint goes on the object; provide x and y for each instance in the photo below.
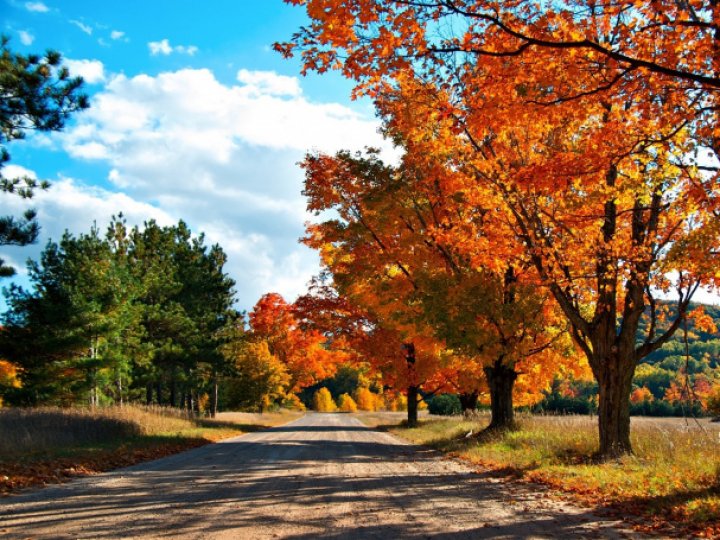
(367, 400)
(323, 401)
(445, 404)
(346, 403)
(293, 402)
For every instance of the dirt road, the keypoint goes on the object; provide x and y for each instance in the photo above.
(324, 475)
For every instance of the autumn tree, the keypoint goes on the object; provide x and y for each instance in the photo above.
(347, 403)
(38, 94)
(366, 338)
(303, 351)
(8, 378)
(323, 401)
(256, 379)
(391, 252)
(596, 154)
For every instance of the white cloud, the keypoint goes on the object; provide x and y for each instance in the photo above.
(117, 34)
(89, 150)
(92, 71)
(16, 171)
(189, 50)
(37, 7)
(26, 38)
(268, 82)
(223, 158)
(163, 47)
(160, 47)
(73, 206)
(82, 26)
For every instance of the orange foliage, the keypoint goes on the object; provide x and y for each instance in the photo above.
(9, 377)
(303, 352)
(572, 143)
(641, 394)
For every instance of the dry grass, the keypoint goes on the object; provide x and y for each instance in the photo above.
(49, 445)
(47, 428)
(673, 476)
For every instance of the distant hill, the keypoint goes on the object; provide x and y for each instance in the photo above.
(674, 380)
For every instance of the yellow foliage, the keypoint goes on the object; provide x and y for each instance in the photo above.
(323, 401)
(260, 378)
(8, 376)
(366, 400)
(346, 403)
(398, 403)
(203, 402)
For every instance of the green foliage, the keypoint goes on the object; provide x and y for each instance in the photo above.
(668, 365)
(37, 94)
(713, 403)
(445, 405)
(111, 319)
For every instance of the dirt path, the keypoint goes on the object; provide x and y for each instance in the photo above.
(324, 475)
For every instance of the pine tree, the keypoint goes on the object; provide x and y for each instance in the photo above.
(37, 94)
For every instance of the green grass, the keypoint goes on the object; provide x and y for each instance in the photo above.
(673, 475)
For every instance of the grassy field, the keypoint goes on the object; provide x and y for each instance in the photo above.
(50, 445)
(672, 482)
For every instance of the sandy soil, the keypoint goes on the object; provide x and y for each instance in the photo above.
(324, 475)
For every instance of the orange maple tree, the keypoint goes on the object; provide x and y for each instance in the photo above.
(302, 351)
(389, 253)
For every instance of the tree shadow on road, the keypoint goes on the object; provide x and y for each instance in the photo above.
(303, 484)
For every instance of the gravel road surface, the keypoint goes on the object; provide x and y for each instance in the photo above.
(322, 476)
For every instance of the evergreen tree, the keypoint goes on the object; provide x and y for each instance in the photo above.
(37, 94)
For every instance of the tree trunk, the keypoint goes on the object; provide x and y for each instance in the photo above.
(468, 402)
(191, 403)
(158, 392)
(148, 394)
(501, 380)
(615, 384)
(214, 397)
(118, 385)
(412, 406)
(173, 390)
(93, 388)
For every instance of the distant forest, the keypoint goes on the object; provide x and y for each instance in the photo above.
(675, 380)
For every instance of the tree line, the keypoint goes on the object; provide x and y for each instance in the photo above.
(136, 314)
(569, 149)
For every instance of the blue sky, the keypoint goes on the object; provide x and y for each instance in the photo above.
(193, 117)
